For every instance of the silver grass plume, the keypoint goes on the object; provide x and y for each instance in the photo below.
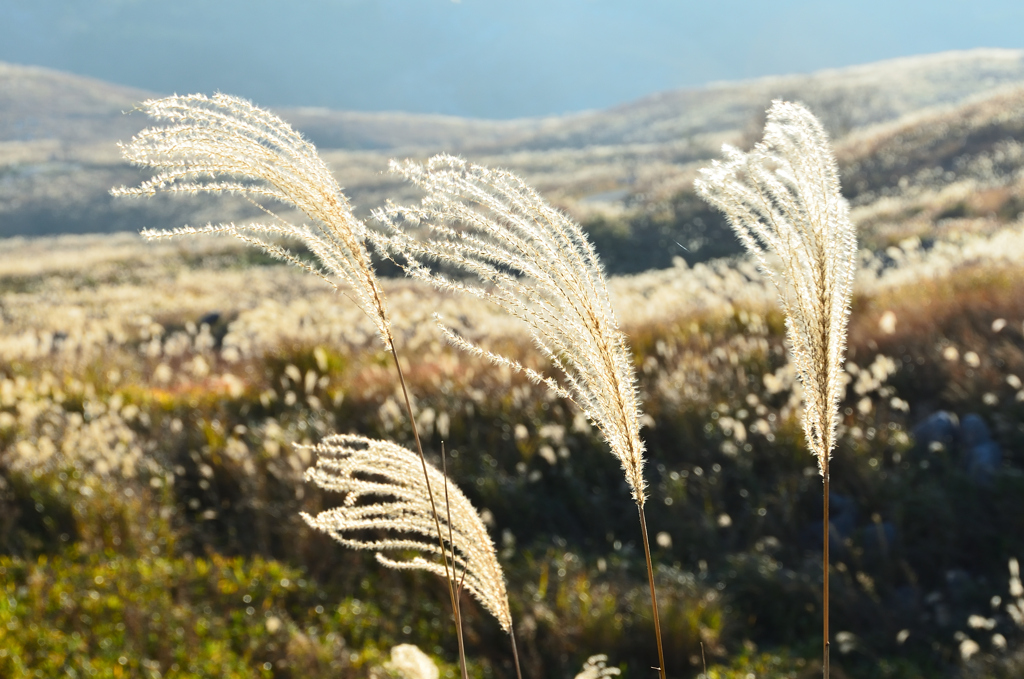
(535, 263)
(783, 198)
(223, 144)
(387, 509)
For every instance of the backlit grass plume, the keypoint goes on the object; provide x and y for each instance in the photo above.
(536, 264)
(783, 198)
(223, 144)
(387, 509)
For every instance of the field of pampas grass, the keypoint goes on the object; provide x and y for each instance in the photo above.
(155, 399)
(212, 464)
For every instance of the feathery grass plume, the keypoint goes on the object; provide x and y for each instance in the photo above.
(387, 508)
(783, 197)
(537, 265)
(223, 144)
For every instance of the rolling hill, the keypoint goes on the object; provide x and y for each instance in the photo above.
(906, 131)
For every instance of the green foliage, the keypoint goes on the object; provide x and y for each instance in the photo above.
(740, 515)
(762, 666)
(111, 616)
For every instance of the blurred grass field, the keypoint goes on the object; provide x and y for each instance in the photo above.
(152, 396)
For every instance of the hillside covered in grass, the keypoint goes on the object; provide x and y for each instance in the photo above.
(153, 399)
(157, 401)
(914, 136)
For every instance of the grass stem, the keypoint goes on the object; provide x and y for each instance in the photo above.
(451, 542)
(824, 568)
(515, 652)
(654, 598)
(449, 573)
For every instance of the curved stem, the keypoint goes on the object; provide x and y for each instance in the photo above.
(433, 507)
(451, 541)
(654, 598)
(515, 651)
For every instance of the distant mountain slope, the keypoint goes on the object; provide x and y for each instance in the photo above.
(354, 130)
(913, 136)
(979, 139)
(933, 174)
(845, 99)
(39, 103)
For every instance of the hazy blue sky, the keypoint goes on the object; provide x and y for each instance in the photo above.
(486, 58)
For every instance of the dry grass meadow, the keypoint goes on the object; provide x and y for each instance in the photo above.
(154, 399)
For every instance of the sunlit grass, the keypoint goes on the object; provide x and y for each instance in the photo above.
(216, 474)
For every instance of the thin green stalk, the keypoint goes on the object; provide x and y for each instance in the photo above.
(437, 522)
(654, 597)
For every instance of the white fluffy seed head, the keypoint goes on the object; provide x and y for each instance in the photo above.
(783, 201)
(596, 667)
(537, 264)
(223, 144)
(387, 508)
